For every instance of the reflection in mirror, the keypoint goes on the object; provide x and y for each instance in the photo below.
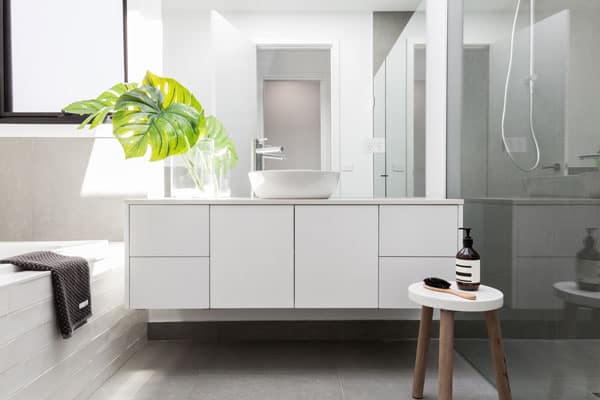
(399, 103)
(303, 76)
(294, 94)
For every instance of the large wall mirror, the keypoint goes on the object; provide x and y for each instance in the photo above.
(77, 51)
(339, 84)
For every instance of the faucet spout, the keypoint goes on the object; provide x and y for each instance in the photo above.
(260, 152)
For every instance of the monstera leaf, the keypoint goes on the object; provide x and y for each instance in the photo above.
(223, 143)
(98, 109)
(161, 114)
(144, 118)
(173, 91)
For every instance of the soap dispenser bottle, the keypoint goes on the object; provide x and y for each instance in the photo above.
(588, 264)
(467, 264)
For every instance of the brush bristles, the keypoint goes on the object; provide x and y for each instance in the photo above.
(437, 283)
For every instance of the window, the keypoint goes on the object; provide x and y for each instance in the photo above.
(56, 52)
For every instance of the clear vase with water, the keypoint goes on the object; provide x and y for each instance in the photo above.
(223, 161)
(193, 173)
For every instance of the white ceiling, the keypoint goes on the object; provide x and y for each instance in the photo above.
(295, 5)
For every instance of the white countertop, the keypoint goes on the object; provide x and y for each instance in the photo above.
(332, 201)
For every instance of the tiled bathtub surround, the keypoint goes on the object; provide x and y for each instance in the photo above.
(36, 363)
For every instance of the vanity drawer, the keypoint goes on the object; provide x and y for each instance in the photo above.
(396, 274)
(168, 283)
(168, 230)
(408, 230)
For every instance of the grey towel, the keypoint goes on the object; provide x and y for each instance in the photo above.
(70, 282)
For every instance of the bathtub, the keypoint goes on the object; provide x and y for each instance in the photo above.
(35, 362)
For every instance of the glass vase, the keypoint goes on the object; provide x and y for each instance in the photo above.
(223, 160)
(193, 173)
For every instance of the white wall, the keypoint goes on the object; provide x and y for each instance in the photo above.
(351, 33)
(235, 93)
(188, 52)
(144, 38)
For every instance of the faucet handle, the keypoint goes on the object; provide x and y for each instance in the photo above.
(261, 140)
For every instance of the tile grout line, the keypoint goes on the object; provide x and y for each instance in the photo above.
(339, 377)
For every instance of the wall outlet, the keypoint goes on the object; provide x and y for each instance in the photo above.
(376, 145)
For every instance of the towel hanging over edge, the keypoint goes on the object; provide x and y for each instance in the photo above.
(70, 283)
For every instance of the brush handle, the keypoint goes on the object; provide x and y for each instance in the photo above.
(453, 292)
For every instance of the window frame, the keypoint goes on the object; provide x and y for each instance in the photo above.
(7, 116)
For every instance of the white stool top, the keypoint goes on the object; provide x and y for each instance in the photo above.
(488, 299)
(568, 291)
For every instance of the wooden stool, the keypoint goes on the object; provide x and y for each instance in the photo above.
(489, 300)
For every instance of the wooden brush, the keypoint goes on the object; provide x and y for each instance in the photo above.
(441, 285)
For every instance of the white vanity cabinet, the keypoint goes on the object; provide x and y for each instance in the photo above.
(336, 256)
(286, 254)
(252, 256)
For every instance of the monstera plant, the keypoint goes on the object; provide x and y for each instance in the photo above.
(158, 115)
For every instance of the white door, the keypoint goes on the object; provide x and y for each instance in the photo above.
(336, 256)
(252, 256)
(235, 93)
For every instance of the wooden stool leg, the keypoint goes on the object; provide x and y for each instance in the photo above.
(570, 312)
(445, 362)
(498, 358)
(422, 348)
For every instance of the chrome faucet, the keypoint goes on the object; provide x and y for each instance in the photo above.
(260, 152)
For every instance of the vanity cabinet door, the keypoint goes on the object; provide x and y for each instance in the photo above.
(336, 256)
(252, 256)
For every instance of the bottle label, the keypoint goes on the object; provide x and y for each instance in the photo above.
(468, 271)
(588, 271)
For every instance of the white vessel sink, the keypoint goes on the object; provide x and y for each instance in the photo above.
(294, 184)
(586, 185)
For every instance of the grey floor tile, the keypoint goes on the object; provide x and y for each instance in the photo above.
(543, 369)
(266, 386)
(282, 371)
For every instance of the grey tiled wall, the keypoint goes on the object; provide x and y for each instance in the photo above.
(48, 188)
